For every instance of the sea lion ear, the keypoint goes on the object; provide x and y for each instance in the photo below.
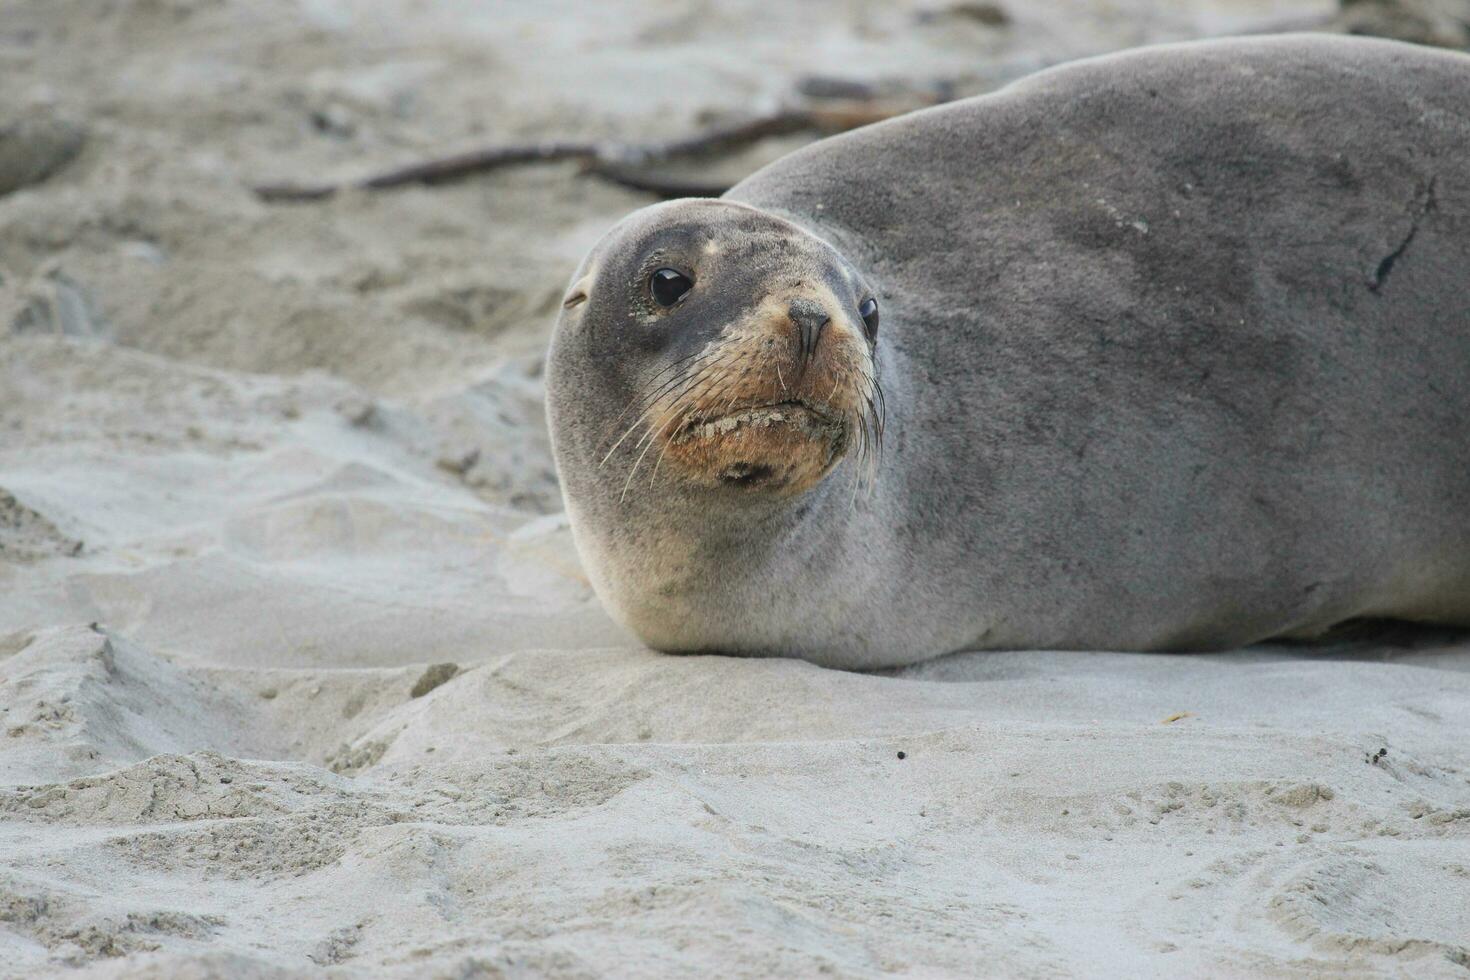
(577, 295)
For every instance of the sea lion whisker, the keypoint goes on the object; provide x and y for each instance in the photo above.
(687, 381)
(655, 381)
(875, 419)
(872, 447)
(664, 451)
(655, 389)
(701, 382)
(657, 429)
(636, 422)
(648, 437)
(856, 481)
(631, 473)
(743, 375)
(651, 405)
(673, 406)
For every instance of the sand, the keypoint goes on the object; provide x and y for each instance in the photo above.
(298, 668)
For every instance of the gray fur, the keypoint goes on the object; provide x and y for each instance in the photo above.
(1176, 348)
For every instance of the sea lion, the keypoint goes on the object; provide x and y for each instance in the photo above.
(1164, 350)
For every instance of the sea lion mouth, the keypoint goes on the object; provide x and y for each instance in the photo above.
(770, 446)
(794, 414)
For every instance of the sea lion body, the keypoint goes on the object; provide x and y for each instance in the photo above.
(1175, 353)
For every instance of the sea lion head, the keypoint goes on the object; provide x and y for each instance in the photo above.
(717, 345)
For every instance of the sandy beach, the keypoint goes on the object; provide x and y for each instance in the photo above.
(300, 674)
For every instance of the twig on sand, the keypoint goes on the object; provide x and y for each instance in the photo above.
(629, 165)
(652, 182)
(438, 169)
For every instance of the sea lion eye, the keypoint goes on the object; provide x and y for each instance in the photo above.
(669, 286)
(868, 310)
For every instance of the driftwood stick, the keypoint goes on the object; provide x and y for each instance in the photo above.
(294, 192)
(438, 169)
(727, 139)
(623, 164)
(477, 161)
(652, 182)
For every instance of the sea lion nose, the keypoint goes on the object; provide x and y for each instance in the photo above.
(809, 319)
